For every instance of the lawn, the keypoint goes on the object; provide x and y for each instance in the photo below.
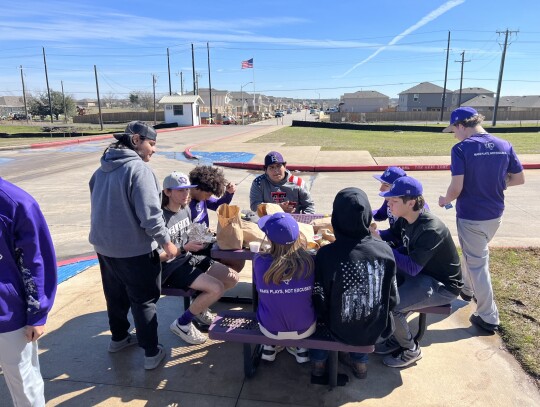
(384, 143)
(516, 282)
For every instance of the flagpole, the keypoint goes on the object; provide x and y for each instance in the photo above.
(254, 95)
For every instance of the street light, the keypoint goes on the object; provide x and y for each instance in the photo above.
(320, 106)
(242, 97)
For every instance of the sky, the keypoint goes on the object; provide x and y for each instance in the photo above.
(300, 49)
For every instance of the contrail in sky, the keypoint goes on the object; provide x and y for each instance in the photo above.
(430, 17)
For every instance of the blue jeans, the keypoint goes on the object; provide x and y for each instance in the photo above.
(319, 355)
(416, 292)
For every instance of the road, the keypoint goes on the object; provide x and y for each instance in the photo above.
(58, 178)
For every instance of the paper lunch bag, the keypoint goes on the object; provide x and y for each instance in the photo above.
(229, 227)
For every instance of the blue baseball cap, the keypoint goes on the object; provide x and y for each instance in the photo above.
(460, 114)
(390, 175)
(273, 157)
(404, 186)
(280, 228)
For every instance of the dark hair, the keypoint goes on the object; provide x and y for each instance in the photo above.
(164, 200)
(472, 121)
(265, 167)
(208, 179)
(124, 140)
(419, 201)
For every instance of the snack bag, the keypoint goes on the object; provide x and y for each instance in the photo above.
(251, 233)
(268, 209)
(229, 227)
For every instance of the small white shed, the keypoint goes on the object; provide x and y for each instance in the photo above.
(182, 109)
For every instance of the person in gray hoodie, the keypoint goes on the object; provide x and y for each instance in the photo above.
(126, 228)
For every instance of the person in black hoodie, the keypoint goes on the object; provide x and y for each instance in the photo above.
(355, 283)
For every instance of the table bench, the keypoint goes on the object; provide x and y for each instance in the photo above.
(242, 327)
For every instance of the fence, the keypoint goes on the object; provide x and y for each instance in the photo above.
(502, 115)
(120, 117)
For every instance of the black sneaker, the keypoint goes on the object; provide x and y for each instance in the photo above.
(480, 323)
(403, 357)
(466, 297)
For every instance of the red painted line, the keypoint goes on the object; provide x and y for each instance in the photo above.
(75, 260)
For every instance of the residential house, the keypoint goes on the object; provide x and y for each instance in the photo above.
(364, 101)
(182, 109)
(11, 104)
(220, 102)
(424, 97)
(484, 104)
(468, 94)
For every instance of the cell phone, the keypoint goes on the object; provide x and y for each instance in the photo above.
(449, 206)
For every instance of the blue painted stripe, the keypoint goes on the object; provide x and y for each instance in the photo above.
(70, 270)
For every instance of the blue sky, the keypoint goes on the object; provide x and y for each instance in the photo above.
(300, 49)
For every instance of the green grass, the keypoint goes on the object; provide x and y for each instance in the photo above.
(516, 282)
(386, 144)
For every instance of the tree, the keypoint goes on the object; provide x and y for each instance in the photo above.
(39, 105)
(134, 99)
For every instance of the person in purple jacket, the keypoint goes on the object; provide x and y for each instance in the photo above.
(284, 281)
(212, 190)
(27, 291)
(482, 167)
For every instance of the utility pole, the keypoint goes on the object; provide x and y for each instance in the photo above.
(181, 76)
(64, 101)
(461, 79)
(197, 76)
(98, 100)
(47, 80)
(494, 123)
(169, 71)
(24, 95)
(445, 78)
(154, 80)
(193, 68)
(209, 81)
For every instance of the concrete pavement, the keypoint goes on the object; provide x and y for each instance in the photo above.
(460, 367)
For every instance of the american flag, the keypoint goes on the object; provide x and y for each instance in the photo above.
(247, 64)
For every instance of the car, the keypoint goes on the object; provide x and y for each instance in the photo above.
(279, 113)
(289, 111)
(229, 120)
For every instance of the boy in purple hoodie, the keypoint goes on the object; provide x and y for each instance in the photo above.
(27, 291)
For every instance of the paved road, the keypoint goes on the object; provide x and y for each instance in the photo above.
(58, 178)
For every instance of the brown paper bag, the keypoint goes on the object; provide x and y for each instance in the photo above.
(268, 209)
(307, 235)
(251, 233)
(229, 228)
(322, 223)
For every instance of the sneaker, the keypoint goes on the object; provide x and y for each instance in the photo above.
(270, 351)
(117, 346)
(403, 357)
(188, 333)
(388, 346)
(151, 362)
(318, 368)
(480, 323)
(466, 297)
(359, 369)
(301, 354)
(205, 318)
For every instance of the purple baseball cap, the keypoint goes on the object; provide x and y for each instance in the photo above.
(177, 180)
(273, 157)
(390, 175)
(280, 228)
(404, 186)
(461, 113)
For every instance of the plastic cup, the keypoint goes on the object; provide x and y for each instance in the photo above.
(254, 247)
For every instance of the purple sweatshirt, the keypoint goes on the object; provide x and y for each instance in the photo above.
(27, 261)
(199, 209)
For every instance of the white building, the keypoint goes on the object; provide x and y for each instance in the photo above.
(182, 109)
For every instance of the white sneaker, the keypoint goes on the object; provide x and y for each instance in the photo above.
(188, 333)
(301, 354)
(270, 351)
(205, 318)
(151, 362)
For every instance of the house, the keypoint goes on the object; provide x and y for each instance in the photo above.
(11, 104)
(220, 102)
(468, 94)
(424, 97)
(484, 104)
(182, 109)
(364, 101)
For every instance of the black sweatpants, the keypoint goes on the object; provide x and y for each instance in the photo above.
(132, 282)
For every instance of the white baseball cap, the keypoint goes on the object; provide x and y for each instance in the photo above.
(177, 180)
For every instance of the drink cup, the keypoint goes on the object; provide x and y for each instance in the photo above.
(254, 247)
